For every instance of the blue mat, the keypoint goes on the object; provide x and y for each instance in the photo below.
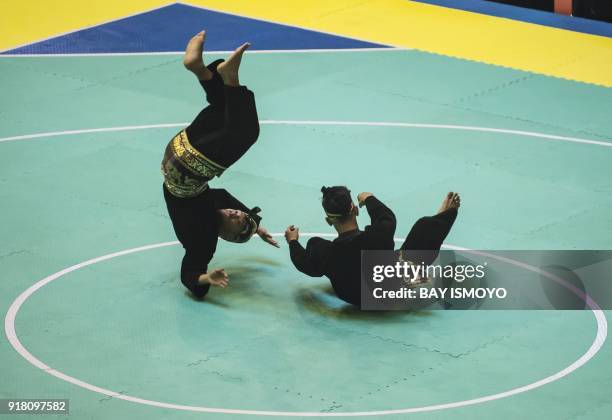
(169, 28)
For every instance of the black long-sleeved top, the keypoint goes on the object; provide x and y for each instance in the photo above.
(340, 259)
(196, 224)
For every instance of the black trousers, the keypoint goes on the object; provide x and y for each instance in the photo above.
(228, 126)
(424, 240)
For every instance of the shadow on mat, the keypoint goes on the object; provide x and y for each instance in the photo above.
(243, 283)
(322, 300)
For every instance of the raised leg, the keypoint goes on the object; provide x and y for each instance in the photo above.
(428, 233)
(240, 128)
(209, 78)
(212, 117)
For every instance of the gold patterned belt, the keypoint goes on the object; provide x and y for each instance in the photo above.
(185, 169)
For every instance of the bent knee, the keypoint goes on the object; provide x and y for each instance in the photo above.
(246, 135)
(255, 133)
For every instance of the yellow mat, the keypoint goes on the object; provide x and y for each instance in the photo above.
(402, 23)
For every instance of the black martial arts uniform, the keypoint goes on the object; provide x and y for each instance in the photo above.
(220, 134)
(340, 259)
(196, 223)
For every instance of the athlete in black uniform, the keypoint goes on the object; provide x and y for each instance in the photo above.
(221, 133)
(340, 259)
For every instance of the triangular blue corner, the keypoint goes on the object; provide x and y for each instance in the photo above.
(169, 28)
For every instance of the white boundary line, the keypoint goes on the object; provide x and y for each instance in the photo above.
(180, 53)
(341, 123)
(114, 54)
(91, 130)
(11, 334)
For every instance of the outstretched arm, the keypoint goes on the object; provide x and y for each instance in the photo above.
(266, 236)
(195, 274)
(192, 268)
(216, 277)
(303, 259)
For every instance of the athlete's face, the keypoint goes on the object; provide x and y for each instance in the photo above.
(233, 224)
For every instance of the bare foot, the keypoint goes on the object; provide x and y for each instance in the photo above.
(193, 60)
(229, 68)
(451, 201)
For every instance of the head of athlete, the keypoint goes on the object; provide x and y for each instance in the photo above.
(340, 211)
(236, 225)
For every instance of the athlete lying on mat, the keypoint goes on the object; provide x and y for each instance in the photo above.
(220, 134)
(340, 259)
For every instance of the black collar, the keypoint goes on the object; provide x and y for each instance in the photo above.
(349, 234)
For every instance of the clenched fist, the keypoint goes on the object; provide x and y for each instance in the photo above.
(361, 197)
(292, 233)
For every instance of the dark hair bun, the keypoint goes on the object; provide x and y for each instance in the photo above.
(337, 200)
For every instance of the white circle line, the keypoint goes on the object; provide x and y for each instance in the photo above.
(307, 122)
(9, 327)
